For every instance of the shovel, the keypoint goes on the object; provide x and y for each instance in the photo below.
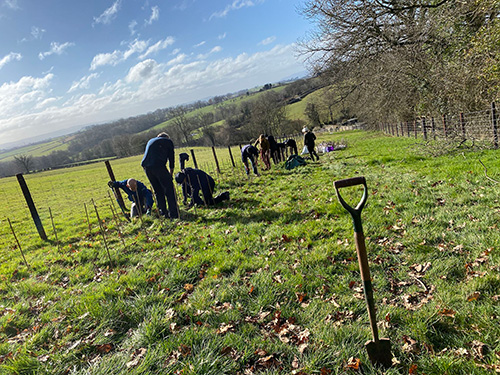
(379, 350)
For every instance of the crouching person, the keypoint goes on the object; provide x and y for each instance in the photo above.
(140, 196)
(195, 180)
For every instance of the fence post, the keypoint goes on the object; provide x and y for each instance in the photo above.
(194, 159)
(494, 124)
(216, 161)
(407, 128)
(397, 129)
(415, 128)
(424, 128)
(231, 155)
(462, 124)
(116, 190)
(433, 126)
(31, 206)
(445, 131)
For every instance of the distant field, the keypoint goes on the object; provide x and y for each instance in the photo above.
(42, 149)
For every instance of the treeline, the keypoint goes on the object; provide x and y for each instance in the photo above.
(393, 61)
(222, 120)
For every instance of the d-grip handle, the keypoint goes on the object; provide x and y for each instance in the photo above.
(355, 212)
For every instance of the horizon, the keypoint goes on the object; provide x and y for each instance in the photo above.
(65, 66)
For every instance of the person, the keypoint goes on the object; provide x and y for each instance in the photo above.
(290, 143)
(192, 181)
(264, 150)
(273, 147)
(249, 152)
(183, 158)
(140, 196)
(280, 153)
(309, 139)
(159, 151)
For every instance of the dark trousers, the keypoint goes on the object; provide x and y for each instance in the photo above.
(163, 186)
(312, 152)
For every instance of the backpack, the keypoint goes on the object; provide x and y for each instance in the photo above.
(294, 161)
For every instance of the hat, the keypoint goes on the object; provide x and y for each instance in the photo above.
(162, 135)
(180, 177)
(305, 130)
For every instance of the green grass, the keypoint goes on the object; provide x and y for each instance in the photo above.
(35, 150)
(266, 283)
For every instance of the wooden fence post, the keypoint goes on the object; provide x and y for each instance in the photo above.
(462, 124)
(216, 161)
(31, 206)
(424, 129)
(445, 130)
(433, 127)
(116, 190)
(194, 159)
(494, 124)
(231, 155)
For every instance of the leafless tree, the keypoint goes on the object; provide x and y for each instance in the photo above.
(25, 162)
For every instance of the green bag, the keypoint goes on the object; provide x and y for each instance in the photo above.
(294, 161)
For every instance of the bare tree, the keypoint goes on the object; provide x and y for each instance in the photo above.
(24, 161)
(181, 123)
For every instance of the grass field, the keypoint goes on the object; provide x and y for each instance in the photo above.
(267, 283)
(41, 149)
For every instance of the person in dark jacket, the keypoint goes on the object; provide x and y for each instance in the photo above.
(292, 145)
(183, 158)
(309, 139)
(250, 152)
(195, 180)
(140, 196)
(273, 146)
(159, 151)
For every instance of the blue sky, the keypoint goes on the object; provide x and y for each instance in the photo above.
(65, 63)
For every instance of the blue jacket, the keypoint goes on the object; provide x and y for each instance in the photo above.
(248, 151)
(158, 151)
(143, 192)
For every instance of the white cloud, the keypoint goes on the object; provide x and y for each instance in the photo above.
(12, 4)
(235, 5)
(10, 57)
(137, 46)
(212, 51)
(142, 71)
(55, 49)
(222, 36)
(83, 83)
(109, 14)
(177, 60)
(37, 32)
(29, 106)
(155, 15)
(116, 57)
(199, 44)
(158, 46)
(267, 41)
(131, 26)
(106, 59)
(176, 51)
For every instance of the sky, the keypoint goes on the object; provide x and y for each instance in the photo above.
(67, 63)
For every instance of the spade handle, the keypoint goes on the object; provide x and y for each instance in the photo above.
(359, 238)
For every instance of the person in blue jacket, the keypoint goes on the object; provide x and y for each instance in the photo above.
(250, 152)
(159, 151)
(140, 196)
(195, 180)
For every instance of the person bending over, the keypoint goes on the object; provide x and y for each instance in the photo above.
(140, 196)
(250, 153)
(195, 180)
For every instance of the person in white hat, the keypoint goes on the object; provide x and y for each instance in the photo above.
(309, 139)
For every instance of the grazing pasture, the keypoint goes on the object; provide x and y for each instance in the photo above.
(266, 283)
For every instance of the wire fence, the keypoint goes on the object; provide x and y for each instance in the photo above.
(479, 127)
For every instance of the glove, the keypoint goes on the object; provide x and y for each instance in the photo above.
(111, 184)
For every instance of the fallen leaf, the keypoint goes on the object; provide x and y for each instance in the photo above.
(353, 363)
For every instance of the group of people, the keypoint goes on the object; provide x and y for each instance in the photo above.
(268, 147)
(159, 154)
